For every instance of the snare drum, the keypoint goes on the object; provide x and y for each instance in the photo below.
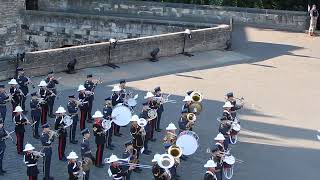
(121, 115)
(235, 129)
(188, 141)
(106, 124)
(228, 163)
(67, 120)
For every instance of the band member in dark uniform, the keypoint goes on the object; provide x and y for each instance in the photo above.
(122, 85)
(51, 85)
(107, 110)
(73, 112)
(44, 94)
(217, 152)
(158, 172)
(4, 98)
(210, 173)
(31, 161)
(236, 106)
(184, 123)
(35, 114)
(116, 99)
(16, 95)
(61, 130)
(131, 155)
(84, 100)
(100, 137)
(73, 166)
(3, 137)
(86, 150)
(226, 115)
(152, 105)
(137, 135)
(115, 170)
(23, 82)
(147, 129)
(46, 139)
(157, 93)
(170, 137)
(188, 102)
(90, 85)
(20, 121)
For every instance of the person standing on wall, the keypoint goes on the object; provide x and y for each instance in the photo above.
(314, 14)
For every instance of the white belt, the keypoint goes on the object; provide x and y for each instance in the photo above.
(117, 178)
(31, 165)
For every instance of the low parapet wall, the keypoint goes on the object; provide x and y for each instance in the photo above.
(39, 62)
(288, 20)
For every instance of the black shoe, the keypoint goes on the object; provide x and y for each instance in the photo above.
(3, 171)
(25, 112)
(119, 134)
(159, 130)
(153, 139)
(64, 159)
(109, 147)
(52, 116)
(146, 152)
(112, 146)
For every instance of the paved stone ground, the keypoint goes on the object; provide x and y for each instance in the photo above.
(275, 71)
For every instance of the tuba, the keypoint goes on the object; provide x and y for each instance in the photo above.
(196, 96)
(175, 151)
(86, 164)
(195, 107)
(166, 161)
(191, 117)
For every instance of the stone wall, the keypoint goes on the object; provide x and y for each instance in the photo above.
(10, 32)
(289, 20)
(46, 30)
(39, 62)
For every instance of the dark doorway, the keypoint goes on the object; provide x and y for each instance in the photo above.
(32, 4)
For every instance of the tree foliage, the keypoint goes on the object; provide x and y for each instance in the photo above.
(296, 5)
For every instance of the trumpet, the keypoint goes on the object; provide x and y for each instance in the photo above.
(38, 154)
(164, 99)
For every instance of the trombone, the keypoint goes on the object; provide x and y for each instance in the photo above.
(164, 99)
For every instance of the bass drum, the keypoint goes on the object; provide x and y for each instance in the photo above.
(228, 163)
(188, 141)
(121, 115)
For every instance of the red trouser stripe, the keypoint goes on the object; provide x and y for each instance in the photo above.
(98, 155)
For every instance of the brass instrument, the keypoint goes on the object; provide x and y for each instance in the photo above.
(53, 134)
(195, 107)
(164, 99)
(196, 96)
(170, 138)
(38, 154)
(191, 117)
(175, 151)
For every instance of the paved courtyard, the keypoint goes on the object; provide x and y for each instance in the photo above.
(277, 74)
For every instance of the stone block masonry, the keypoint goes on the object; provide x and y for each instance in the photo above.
(46, 30)
(38, 63)
(287, 20)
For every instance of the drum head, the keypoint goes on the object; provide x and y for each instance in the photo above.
(121, 115)
(188, 142)
(132, 102)
(236, 127)
(229, 160)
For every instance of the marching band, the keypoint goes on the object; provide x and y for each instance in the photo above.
(118, 111)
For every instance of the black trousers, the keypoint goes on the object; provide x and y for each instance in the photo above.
(99, 154)
(109, 137)
(36, 118)
(83, 117)
(47, 162)
(44, 113)
(23, 102)
(86, 177)
(62, 145)
(158, 120)
(50, 105)
(90, 104)
(73, 128)
(20, 139)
